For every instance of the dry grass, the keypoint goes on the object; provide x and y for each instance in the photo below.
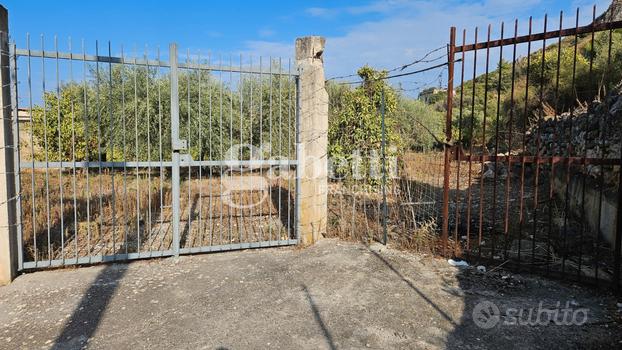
(413, 207)
(136, 216)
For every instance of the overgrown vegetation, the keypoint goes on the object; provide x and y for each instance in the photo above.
(355, 122)
(125, 114)
(577, 82)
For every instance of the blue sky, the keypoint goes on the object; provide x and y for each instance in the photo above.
(384, 34)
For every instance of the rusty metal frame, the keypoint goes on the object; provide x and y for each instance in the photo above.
(454, 151)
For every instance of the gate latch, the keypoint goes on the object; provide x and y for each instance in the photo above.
(180, 145)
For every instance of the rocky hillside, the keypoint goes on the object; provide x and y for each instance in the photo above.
(594, 131)
(613, 13)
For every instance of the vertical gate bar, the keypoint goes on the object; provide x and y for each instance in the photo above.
(99, 150)
(124, 131)
(16, 152)
(484, 148)
(60, 155)
(111, 150)
(471, 132)
(447, 164)
(280, 156)
(211, 156)
(221, 155)
(458, 149)
(270, 149)
(160, 152)
(32, 154)
(521, 221)
(289, 147)
(200, 132)
(250, 141)
(601, 177)
(175, 141)
(148, 115)
(537, 155)
(508, 181)
(569, 150)
(136, 155)
(188, 140)
(552, 163)
(584, 162)
(261, 146)
(47, 161)
(298, 168)
(230, 170)
(495, 176)
(384, 171)
(73, 158)
(88, 155)
(618, 240)
(240, 216)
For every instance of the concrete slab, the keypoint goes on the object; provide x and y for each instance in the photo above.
(331, 295)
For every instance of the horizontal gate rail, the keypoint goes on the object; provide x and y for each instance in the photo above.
(554, 34)
(142, 62)
(165, 164)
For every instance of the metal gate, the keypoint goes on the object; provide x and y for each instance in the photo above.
(532, 162)
(145, 155)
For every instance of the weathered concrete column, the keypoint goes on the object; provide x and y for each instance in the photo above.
(313, 138)
(8, 233)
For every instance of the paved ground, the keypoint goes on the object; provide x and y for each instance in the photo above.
(332, 295)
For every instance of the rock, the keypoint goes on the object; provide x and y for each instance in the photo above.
(377, 247)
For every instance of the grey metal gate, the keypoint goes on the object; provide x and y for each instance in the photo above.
(100, 179)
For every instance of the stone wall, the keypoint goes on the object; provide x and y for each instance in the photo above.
(594, 132)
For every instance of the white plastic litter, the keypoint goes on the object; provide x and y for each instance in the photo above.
(457, 263)
(481, 269)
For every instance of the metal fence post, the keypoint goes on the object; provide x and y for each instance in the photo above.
(297, 208)
(447, 164)
(178, 145)
(8, 194)
(385, 212)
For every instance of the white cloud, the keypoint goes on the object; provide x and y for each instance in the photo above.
(268, 49)
(266, 32)
(409, 29)
(321, 12)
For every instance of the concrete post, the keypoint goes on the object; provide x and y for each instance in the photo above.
(8, 230)
(313, 138)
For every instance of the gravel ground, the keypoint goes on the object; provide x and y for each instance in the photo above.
(332, 295)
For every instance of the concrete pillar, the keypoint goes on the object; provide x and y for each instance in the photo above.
(313, 138)
(8, 230)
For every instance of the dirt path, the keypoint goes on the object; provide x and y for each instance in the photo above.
(332, 295)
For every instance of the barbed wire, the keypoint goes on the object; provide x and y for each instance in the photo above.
(402, 74)
(423, 59)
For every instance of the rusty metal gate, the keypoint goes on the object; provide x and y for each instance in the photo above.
(146, 155)
(532, 166)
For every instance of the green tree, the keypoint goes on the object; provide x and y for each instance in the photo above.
(355, 122)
